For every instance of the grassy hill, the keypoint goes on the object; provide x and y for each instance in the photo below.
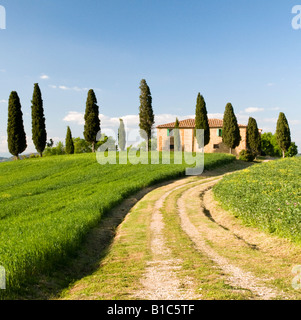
(48, 205)
(267, 196)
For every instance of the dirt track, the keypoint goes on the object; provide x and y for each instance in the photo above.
(160, 281)
(220, 257)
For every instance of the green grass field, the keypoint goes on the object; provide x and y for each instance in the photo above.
(47, 206)
(266, 196)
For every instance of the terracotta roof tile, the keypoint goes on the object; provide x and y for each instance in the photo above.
(190, 123)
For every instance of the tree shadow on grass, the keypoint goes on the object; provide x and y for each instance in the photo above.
(237, 165)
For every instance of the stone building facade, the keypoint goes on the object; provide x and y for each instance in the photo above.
(188, 140)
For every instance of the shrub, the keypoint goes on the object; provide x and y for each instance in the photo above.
(292, 151)
(33, 156)
(247, 156)
(58, 150)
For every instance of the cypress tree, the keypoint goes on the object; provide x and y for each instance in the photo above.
(16, 137)
(121, 136)
(146, 114)
(39, 135)
(201, 119)
(69, 142)
(253, 136)
(92, 121)
(231, 133)
(177, 139)
(283, 133)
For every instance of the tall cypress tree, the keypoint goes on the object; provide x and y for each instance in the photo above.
(201, 120)
(92, 121)
(146, 114)
(283, 133)
(121, 136)
(69, 142)
(231, 133)
(16, 137)
(253, 136)
(177, 138)
(39, 135)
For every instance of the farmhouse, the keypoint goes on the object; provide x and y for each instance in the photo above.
(188, 139)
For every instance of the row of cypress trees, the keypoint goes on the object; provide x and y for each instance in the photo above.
(17, 143)
(231, 133)
(16, 136)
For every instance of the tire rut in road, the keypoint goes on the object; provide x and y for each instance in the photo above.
(236, 276)
(160, 281)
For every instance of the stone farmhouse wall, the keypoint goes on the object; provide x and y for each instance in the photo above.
(189, 143)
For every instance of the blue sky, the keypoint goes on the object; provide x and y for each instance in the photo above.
(238, 51)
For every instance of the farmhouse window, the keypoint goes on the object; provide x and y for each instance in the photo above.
(219, 132)
(215, 146)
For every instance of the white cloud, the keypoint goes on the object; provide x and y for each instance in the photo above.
(3, 144)
(3, 101)
(242, 118)
(44, 77)
(294, 122)
(75, 117)
(271, 84)
(4, 148)
(63, 88)
(253, 110)
(130, 121)
(215, 116)
(75, 88)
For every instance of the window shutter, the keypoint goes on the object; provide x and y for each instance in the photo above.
(168, 132)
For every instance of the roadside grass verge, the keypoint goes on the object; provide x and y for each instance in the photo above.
(121, 268)
(266, 256)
